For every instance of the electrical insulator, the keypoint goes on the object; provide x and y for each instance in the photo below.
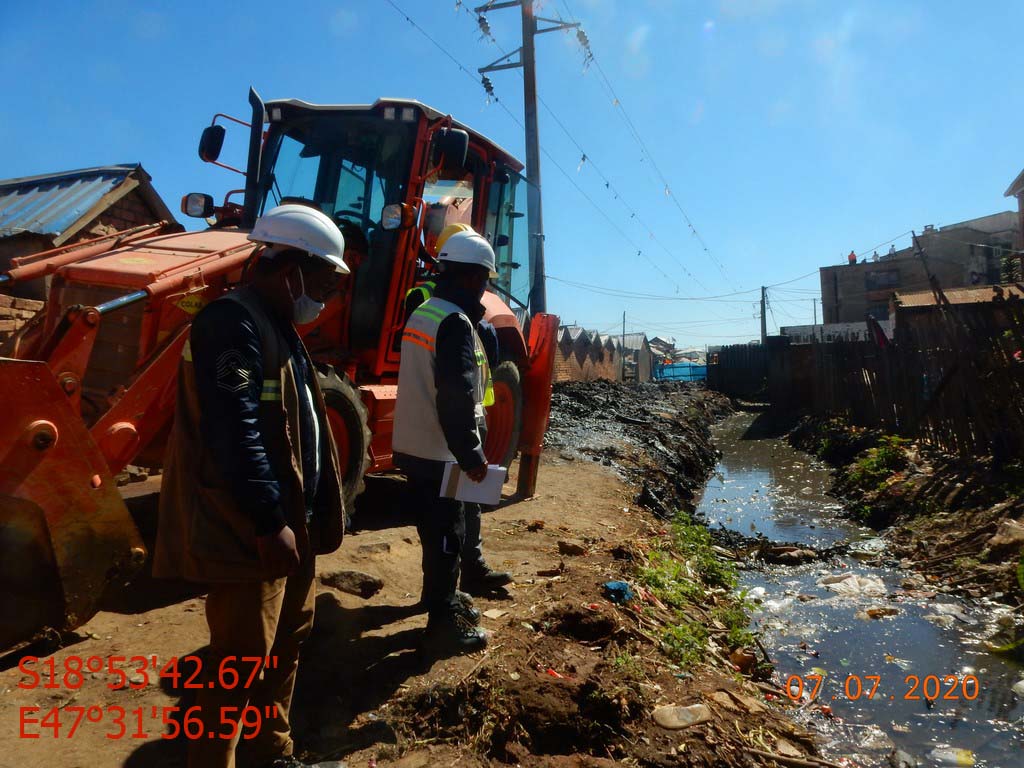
(488, 86)
(485, 26)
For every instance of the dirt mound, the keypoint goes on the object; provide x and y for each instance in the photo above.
(534, 715)
(580, 623)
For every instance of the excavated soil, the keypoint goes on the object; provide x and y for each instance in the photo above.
(569, 679)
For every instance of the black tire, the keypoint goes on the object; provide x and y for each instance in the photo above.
(346, 407)
(506, 374)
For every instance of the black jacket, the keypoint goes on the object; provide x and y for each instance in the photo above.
(228, 359)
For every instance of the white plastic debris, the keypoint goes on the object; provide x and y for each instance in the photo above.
(853, 585)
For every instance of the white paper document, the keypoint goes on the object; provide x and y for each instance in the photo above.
(456, 485)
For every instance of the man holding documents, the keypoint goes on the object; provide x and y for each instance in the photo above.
(443, 387)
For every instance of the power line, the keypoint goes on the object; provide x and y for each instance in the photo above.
(587, 159)
(617, 102)
(607, 291)
(519, 123)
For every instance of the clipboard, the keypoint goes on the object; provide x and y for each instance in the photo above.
(455, 484)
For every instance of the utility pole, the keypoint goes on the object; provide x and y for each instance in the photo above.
(622, 373)
(527, 61)
(814, 303)
(764, 320)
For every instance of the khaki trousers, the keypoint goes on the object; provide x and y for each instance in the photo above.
(258, 618)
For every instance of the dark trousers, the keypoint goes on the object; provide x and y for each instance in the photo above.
(472, 554)
(441, 524)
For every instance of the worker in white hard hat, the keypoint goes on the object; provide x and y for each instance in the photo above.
(476, 576)
(252, 490)
(442, 390)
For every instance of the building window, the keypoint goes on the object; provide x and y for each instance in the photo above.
(881, 279)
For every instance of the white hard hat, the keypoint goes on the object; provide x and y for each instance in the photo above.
(307, 229)
(468, 248)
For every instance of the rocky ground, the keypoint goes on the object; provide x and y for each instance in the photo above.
(959, 522)
(572, 676)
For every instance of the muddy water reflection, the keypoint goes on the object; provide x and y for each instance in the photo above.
(812, 627)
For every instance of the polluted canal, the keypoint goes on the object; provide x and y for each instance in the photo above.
(903, 672)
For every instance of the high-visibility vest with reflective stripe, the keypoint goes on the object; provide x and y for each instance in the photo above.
(417, 427)
(426, 291)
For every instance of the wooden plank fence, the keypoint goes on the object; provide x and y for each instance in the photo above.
(953, 376)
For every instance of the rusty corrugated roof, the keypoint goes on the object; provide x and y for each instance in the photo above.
(982, 294)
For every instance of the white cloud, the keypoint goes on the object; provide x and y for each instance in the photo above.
(343, 21)
(839, 61)
(638, 61)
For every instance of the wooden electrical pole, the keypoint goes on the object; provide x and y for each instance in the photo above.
(527, 61)
(764, 320)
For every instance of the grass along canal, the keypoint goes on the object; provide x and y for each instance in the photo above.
(903, 671)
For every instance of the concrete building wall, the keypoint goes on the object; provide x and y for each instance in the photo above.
(959, 255)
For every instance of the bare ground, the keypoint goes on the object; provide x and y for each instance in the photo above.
(569, 680)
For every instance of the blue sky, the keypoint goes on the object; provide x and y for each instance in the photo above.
(790, 131)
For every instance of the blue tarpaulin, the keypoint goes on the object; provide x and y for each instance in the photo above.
(680, 372)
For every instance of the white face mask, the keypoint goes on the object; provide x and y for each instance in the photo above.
(304, 309)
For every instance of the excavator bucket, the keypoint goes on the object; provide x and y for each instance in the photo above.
(65, 532)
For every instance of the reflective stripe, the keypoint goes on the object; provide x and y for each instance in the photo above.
(410, 332)
(425, 291)
(489, 393)
(271, 389)
(425, 310)
(417, 342)
(186, 351)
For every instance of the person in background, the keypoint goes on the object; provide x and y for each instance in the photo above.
(443, 387)
(251, 490)
(476, 577)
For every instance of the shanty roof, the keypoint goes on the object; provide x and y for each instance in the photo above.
(978, 295)
(59, 204)
(634, 340)
(1016, 186)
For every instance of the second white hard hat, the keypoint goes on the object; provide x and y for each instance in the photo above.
(468, 248)
(305, 228)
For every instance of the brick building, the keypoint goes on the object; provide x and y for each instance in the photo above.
(38, 213)
(584, 355)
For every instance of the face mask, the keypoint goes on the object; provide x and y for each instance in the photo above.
(304, 309)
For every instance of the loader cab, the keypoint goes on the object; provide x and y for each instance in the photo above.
(394, 170)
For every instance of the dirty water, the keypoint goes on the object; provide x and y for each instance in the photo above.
(882, 641)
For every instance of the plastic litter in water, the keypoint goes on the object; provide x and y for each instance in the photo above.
(853, 585)
(952, 756)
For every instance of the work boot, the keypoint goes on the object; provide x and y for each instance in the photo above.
(453, 634)
(467, 608)
(481, 580)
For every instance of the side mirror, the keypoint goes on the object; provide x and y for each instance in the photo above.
(196, 205)
(452, 145)
(211, 143)
(397, 216)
